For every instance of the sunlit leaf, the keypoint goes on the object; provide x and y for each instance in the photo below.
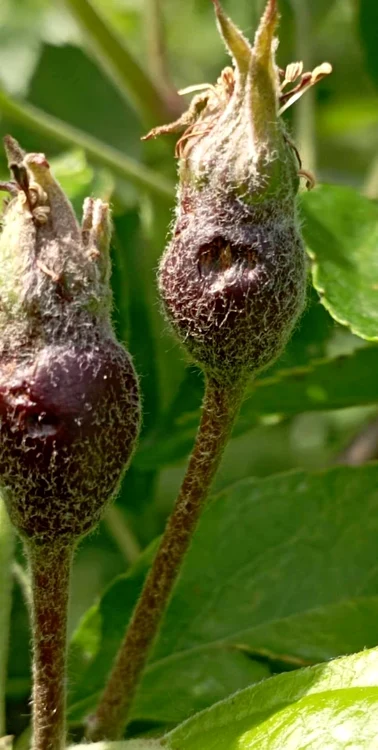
(132, 745)
(341, 232)
(331, 706)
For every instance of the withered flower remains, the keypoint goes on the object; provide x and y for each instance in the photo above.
(233, 277)
(69, 403)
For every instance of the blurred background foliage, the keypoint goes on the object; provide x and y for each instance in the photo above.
(48, 60)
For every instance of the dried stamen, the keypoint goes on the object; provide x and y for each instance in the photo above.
(308, 80)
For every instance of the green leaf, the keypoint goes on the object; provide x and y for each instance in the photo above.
(78, 179)
(31, 117)
(310, 339)
(131, 270)
(7, 538)
(318, 11)
(73, 173)
(347, 380)
(24, 25)
(330, 706)
(266, 555)
(368, 23)
(85, 100)
(134, 322)
(341, 232)
(19, 54)
(119, 64)
(132, 745)
(338, 383)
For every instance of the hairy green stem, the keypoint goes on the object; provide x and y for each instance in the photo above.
(305, 131)
(116, 60)
(50, 567)
(220, 407)
(6, 558)
(52, 127)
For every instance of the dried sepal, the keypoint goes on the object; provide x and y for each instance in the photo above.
(253, 84)
(236, 43)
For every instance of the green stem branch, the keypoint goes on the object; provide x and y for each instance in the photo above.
(370, 188)
(116, 524)
(50, 568)
(116, 60)
(6, 558)
(305, 131)
(220, 407)
(157, 56)
(51, 127)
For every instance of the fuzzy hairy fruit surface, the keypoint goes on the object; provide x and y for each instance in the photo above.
(69, 398)
(233, 278)
(67, 427)
(232, 282)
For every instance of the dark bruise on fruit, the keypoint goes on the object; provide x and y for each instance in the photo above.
(67, 429)
(233, 277)
(233, 284)
(69, 399)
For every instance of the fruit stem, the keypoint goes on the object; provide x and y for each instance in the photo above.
(220, 407)
(50, 567)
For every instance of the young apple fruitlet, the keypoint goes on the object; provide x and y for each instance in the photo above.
(233, 278)
(69, 401)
